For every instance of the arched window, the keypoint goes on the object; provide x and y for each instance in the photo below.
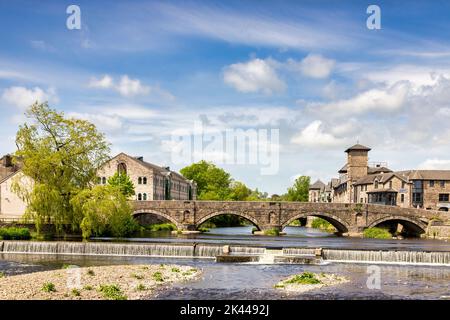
(122, 168)
(376, 184)
(139, 180)
(139, 196)
(144, 196)
(144, 180)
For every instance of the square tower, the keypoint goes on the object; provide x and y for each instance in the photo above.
(357, 162)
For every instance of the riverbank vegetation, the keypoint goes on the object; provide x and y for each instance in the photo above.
(166, 226)
(308, 281)
(377, 233)
(14, 233)
(120, 282)
(319, 223)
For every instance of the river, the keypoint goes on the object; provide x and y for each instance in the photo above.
(256, 280)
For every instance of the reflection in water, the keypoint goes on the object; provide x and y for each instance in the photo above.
(250, 281)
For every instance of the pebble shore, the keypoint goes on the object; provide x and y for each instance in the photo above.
(130, 282)
(325, 280)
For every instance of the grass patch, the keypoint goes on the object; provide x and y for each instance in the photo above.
(76, 292)
(90, 272)
(88, 287)
(272, 232)
(137, 276)
(14, 233)
(48, 287)
(2, 275)
(377, 233)
(203, 229)
(140, 287)
(319, 223)
(304, 278)
(162, 227)
(175, 270)
(158, 277)
(112, 292)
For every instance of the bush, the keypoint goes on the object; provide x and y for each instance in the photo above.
(48, 287)
(76, 292)
(319, 223)
(272, 232)
(158, 277)
(162, 227)
(377, 233)
(304, 278)
(112, 292)
(14, 233)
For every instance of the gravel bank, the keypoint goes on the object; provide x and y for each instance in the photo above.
(94, 283)
(323, 280)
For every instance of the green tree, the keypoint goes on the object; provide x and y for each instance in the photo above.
(299, 191)
(61, 155)
(105, 211)
(239, 191)
(213, 183)
(123, 182)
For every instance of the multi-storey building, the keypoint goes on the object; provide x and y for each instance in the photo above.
(361, 182)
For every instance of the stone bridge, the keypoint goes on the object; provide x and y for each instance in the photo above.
(348, 219)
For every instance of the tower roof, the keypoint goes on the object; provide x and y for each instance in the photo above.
(358, 147)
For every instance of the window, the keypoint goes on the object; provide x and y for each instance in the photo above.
(103, 180)
(144, 196)
(443, 197)
(417, 197)
(139, 196)
(403, 184)
(390, 184)
(402, 198)
(122, 168)
(144, 180)
(139, 180)
(442, 184)
(417, 184)
(431, 183)
(376, 184)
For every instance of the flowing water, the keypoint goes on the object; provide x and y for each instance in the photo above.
(415, 269)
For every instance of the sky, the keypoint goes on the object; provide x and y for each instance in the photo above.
(150, 74)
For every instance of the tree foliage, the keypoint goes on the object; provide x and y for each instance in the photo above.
(105, 211)
(61, 155)
(123, 182)
(299, 191)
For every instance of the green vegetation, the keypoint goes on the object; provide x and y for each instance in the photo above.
(175, 270)
(140, 287)
(90, 272)
(76, 292)
(88, 287)
(122, 182)
(112, 292)
(14, 233)
(304, 278)
(299, 191)
(319, 223)
(203, 229)
(2, 274)
(157, 276)
(48, 287)
(137, 276)
(105, 211)
(272, 232)
(162, 227)
(295, 223)
(377, 233)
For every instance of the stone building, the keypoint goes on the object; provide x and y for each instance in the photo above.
(362, 182)
(151, 182)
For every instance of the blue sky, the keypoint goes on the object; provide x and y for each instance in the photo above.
(146, 70)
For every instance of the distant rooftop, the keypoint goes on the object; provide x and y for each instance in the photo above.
(358, 147)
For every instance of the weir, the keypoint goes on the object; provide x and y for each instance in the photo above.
(227, 253)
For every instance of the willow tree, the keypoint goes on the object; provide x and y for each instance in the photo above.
(61, 155)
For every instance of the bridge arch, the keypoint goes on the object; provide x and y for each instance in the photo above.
(235, 213)
(416, 226)
(340, 225)
(140, 212)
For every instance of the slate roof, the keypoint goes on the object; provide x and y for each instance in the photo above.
(358, 147)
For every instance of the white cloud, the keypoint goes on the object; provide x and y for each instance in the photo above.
(316, 66)
(388, 99)
(313, 135)
(435, 164)
(106, 123)
(22, 97)
(131, 87)
(104, 83)
(253, 76)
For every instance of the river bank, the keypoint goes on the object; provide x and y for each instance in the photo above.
(117, 282)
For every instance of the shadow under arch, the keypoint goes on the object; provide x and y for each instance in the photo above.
(335, 221)
(142, 212)
(221, 213)
(413, 227)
